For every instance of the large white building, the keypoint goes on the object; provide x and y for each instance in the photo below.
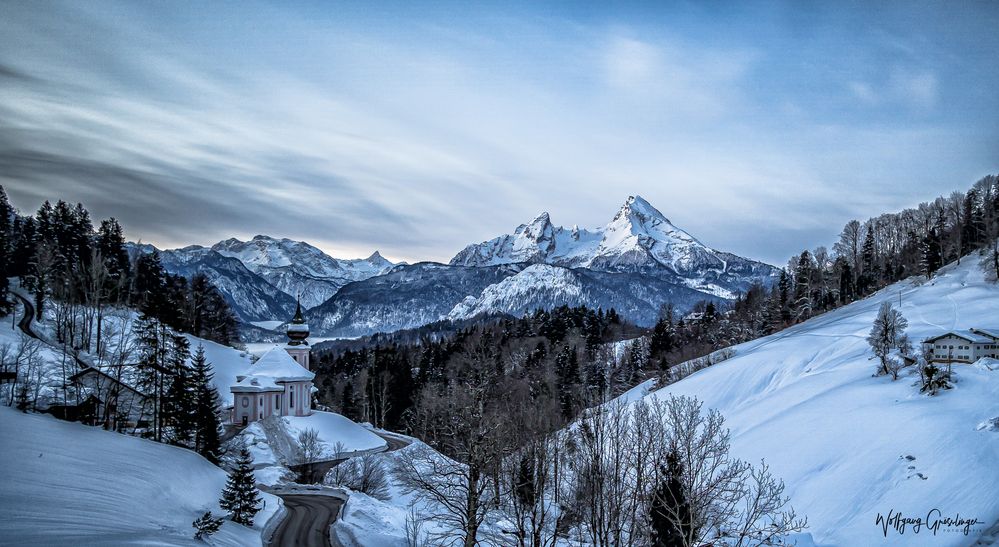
(280, 382)
(963, 346)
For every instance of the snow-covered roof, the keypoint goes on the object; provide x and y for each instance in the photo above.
(991, 332)
(255, 384)
(277, 364)
(963, 334)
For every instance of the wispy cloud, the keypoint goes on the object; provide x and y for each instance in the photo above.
(418, 137)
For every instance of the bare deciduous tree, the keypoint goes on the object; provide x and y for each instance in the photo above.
(310, 450)
(888, 333)
(362, 474)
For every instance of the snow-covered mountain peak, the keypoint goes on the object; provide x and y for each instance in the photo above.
(376, 259)
(638, 239)
(636, 207)
(537, 231)
(638, 217)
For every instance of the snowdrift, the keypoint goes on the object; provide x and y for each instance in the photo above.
(68, 484)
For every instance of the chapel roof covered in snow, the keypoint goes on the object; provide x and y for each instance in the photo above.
(277, 364)
(255, 384)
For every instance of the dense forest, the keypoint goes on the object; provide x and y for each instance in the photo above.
(64, 261)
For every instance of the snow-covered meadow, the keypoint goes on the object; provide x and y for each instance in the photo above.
(851, 446)
(65, 483)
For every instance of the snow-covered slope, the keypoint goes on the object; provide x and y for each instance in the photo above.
(849, 445)
(638, 239)
(298, 268)
(227, 363)
(407, 297)
(69, 484)
(635, 296)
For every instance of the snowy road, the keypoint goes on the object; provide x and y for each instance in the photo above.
(309, 517)
(29, 315)
(308, 521)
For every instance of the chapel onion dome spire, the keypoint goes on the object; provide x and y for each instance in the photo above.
(298, 329)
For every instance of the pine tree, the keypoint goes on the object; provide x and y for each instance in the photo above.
(111, 246)
(974, 223)
(206, 525)
(348, 404)
(6, 249)
(870, 276)
(80, 234)
(179, 412)
(930, 260)
(663, 338)
(567, 371)
(784, 296)
(23, 250)
(209, 315)
(803, 277)
(240, 497)
(847, 289)
(206, 408)
(710, 313)
(670, 518)
(154, 350)
(150, 284)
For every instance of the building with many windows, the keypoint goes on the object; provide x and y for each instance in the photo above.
(963, 346)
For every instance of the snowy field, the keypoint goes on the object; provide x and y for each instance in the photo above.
(849, 445)
(68, 484)
(333, 429)
(273, 442)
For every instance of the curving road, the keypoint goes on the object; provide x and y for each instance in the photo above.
(29, 315)
(308, 521)
(309, 517)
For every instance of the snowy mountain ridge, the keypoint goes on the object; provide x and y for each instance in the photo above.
(262, 277)
(638, 239)
(300, 269)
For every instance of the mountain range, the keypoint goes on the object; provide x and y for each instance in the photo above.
(635, 264)
(639, 239)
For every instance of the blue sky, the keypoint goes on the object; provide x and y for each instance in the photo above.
(761, 128)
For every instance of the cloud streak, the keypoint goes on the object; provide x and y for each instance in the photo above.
(417, 137)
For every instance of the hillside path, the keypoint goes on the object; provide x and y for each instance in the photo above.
(29, 315)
